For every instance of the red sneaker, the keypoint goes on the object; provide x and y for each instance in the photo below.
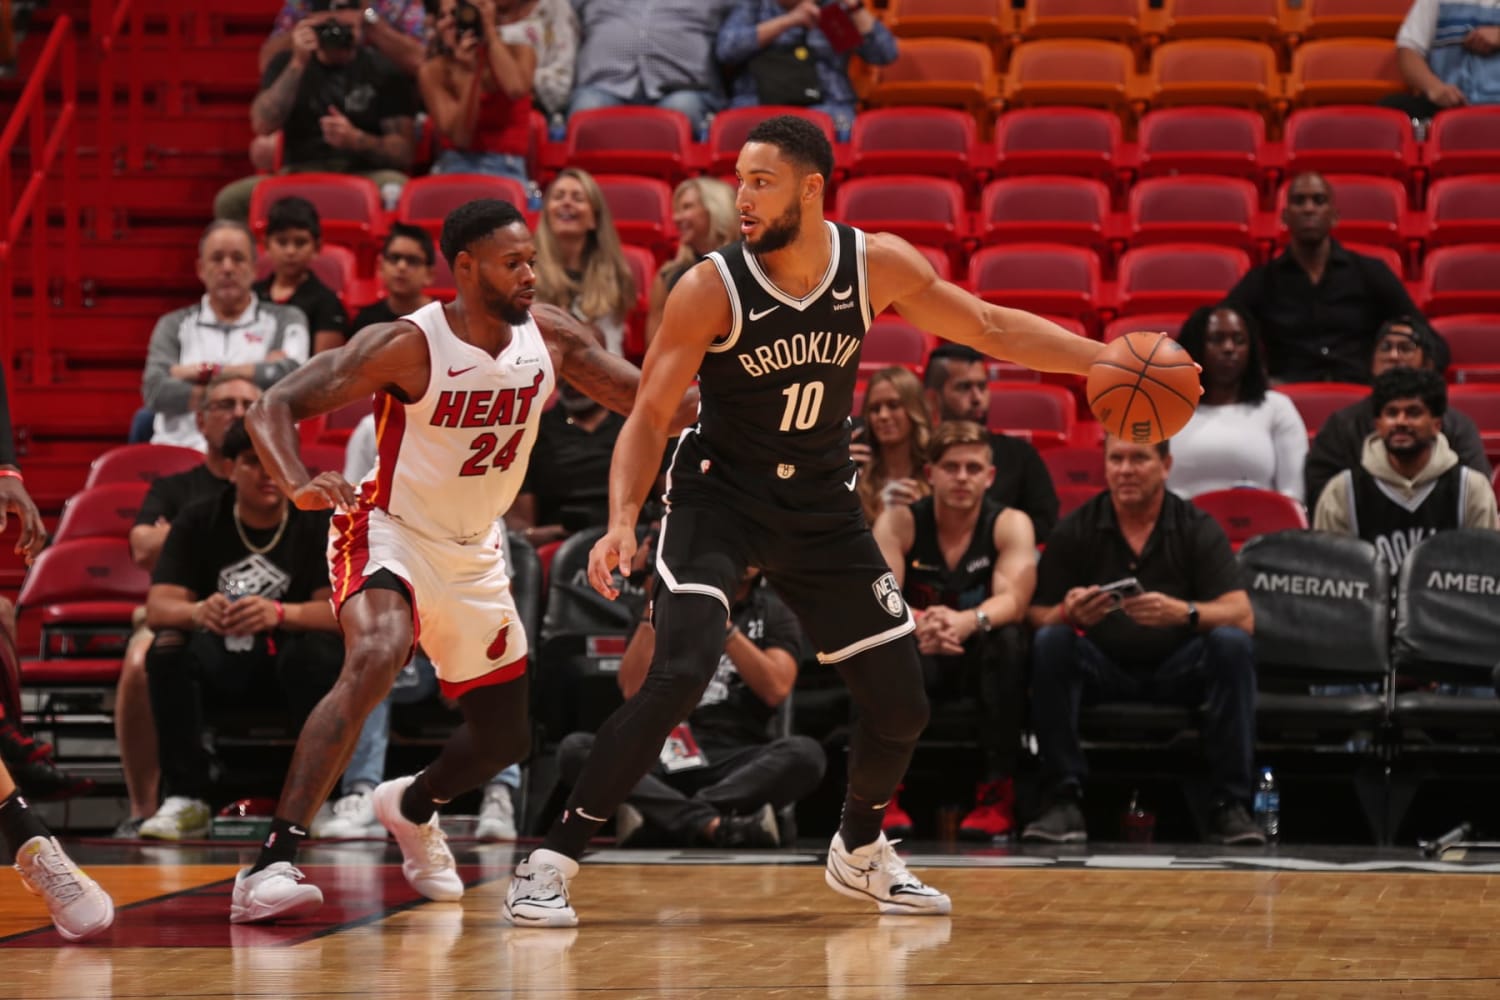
(896, 823)
(994, 814)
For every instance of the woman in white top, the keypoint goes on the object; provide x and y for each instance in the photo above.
(580, 265)
(1244, 433)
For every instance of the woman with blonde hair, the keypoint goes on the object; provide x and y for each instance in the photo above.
(579, 263)
(891, 445)
(706, 219)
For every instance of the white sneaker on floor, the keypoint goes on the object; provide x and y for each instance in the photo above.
(274, 892)
(497, 815)
(78, 906)
(179, 818)
(426, 861)
(538, 893)
(874, 873)
(351, 818)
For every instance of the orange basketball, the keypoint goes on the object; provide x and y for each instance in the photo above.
(1143, 387)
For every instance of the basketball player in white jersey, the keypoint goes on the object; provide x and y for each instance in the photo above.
(417, 552)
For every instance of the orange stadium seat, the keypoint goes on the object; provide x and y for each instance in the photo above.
(1177, 277)
(1371, 210)
(1042, 277)
(943, 71)
(653, 142)
(920, 209)
(1255, 19)
(1168, 323)
(1054, 209)
(1080, 19)
(891, 340)
(1317, 401)
(1473, 344)
(727, 132)
(106, 511)
(1194, 140)
(1350, 139)
(1043, 413)
(1343, 71)
(1244, 512)
(1082, 71)
(334, 265)
(426, 201)
(1189, 209)
(987, 21)
(1348, 18)
(1461, 279)
(1214, 71)
(1081, 141)
(641, 208)
(349, 207)
(909, 140)
(1464, 141)
(140, 463)
(1464, 210)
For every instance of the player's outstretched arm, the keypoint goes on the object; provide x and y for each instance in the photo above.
(385, 356)
(902, 277)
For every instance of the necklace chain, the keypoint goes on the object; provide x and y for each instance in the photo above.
(260, 550)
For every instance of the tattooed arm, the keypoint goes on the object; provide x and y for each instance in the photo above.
(274, 102)
(387, 356)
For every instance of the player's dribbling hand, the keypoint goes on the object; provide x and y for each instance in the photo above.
(325, 490)
(616, 550)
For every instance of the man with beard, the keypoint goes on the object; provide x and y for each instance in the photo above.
(418, 549)
(1409, 483)
(772, 328)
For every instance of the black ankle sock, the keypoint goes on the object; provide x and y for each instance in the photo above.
(18, 823)
(417, 802)
(281, 844)
(860, 824)
(571, 833)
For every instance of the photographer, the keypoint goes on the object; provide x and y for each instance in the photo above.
(341, 108)
(476, 84)
(394, 28)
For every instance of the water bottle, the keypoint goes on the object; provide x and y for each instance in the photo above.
(557, 128)
(234, 590)
(533, 196)
(1268, 805)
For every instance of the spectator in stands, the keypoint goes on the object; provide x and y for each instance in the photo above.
(294, 236)
(341, 108)
(230, 332)
(1181, 635)
(579, 264)
(722, 775)
(958, 388)
(890, 445)
(1409, 484)
(1318, 304)
(1243, 434)
(550, 27)
(476, 85)
(406, 262)
(567, 483)
(225, 401)
(1404, 342)
(967, 567)
(1449, 55)
(781, 55)
(658, 54)
(394, 28)
(703, 212)
(240, 604)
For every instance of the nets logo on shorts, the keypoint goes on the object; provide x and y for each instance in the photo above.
(888, 593)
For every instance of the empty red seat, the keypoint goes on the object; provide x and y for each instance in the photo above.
(1081, 141)
(1070, 498)
(334, 427)
(641, 209)
(1041, 277)
(349, 206)
(1197, 140)
(889, 341)
(1228, 71)
(1473, 343)
(949, 72)
(651, 141)
(1481, 403)
(1168, 323)
(909, 140)
(1371, 210)
(1464, 141)
(1464, 210)
(1255, 19)
(1193, 209)
(1177, 277)
(1075, 466)
(323, 458)
(141, 463)
(1043, 413)
(1084, 71)
(1344, 71)
(1461, 279)
(939, 261)
(920, 209)
(426, 201)
(106, 511)
(1244, 513)
(1054, 209)
(1317, 401)
(727, 132)
(1353, 140)
(643, 269)
(83, 587)
(1388, 256)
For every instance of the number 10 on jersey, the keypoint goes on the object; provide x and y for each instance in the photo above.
(803, 402)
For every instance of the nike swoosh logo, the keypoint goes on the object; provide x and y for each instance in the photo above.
(455, 374)
(762, 314)
(841, 296)
(852, 480)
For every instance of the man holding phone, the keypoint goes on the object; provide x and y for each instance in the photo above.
(1139, 598)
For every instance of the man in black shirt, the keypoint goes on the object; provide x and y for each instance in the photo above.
(405, 269)
(958, 388)
(340, 106)
(1180, 634)
(240, 604)
(294, 235)
(721, 777)
(1318, 304)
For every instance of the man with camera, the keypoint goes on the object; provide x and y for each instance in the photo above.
(394, 28)
(1139, 598)
(341, 107)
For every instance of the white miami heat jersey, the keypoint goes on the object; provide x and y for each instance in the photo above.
(453, 461)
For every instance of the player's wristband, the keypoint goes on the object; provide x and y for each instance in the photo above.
(12, 474)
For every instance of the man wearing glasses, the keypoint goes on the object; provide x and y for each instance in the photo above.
(405, 267)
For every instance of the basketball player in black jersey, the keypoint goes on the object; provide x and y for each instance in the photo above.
(772, 328)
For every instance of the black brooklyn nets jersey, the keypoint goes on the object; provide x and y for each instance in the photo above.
(777, 388)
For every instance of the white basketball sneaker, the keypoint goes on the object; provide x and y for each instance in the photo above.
(538, 894)
(78, 906)
(874, 873)
(426, 861)
(274, 892)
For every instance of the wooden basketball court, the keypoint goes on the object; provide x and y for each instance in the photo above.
(700, 925)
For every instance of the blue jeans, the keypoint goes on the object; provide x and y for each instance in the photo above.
(698, 105)
(416, 682)
(142, 426)
(460, 161)
(1218, 668)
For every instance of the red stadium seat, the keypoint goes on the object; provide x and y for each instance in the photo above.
(1386, 255)
(908, 140)
(1481, 403)
(335, 267)
(1202, 141)
(1353, 140)
(641, 208)
(1343, 71)
(426, 201)
(1055, 209)
(1075, 466)
(1187, 209)
(653, 142)
(1080, 141)
(1214, 71)
(106, 511)
(1464, 141)
(920, 209)
(939, 261)
(1177, 277)
(1168, 323)
(140, 463)
(1473, 345)
(1371, 210)
(1255, 19)
(1316, 401)
(1244, 513)
(349, 207)
(1080, 19)
(82, 588)
(1349, 18)
(323, 458)
(643, 270)
(334, 428)
(443, 287)
(1070, 498)
(1461, 279)
(949, 72)
(1084, 71)
(893, 341)
(1042, 277)
(1044, 413)
(1464, 210)
(727, 132)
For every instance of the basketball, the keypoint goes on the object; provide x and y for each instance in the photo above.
(1143, 387)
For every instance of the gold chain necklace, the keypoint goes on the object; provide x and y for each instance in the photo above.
(261, 550)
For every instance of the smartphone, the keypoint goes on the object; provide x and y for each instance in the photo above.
(837, 25)
(1121, 589)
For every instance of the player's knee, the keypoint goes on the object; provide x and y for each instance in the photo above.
(370, 666)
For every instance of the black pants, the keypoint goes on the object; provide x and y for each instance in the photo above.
(188, 674)
(735, 780)
(992, 672)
